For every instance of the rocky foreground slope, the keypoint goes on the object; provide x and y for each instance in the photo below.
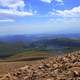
(66, 67)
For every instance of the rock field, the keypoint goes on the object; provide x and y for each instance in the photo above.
(64, 67)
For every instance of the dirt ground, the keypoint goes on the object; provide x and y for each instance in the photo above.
(60, 67)
(6, 67)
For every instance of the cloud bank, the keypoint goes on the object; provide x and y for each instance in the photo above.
(74, 12)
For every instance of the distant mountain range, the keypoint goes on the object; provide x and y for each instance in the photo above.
(35, 37)
(10, 45)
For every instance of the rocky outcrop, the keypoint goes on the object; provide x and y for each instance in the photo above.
(66, 67)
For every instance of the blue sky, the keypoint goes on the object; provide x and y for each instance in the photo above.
(39, 16)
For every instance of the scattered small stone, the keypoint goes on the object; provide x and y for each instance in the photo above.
(66, 67)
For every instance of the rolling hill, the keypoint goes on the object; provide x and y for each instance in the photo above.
(15, 44)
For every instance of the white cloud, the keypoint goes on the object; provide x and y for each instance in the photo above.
(74, 12)
(59, 1)
(47, 1)
(13, 4)
(13, 8)
(14, 12)
(6, 20)
(71, 15)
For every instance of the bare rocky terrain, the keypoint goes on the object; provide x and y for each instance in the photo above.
(61, 67)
